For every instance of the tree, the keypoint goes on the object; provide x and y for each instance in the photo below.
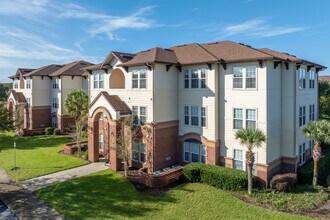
(319, 131)
(252, 138)
(324, 96)
(126, 134)
(6, 118)
(76, 104)
(4, 91)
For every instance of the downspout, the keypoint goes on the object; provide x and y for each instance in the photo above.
(61, 91)
(295, 114)
(153, 116)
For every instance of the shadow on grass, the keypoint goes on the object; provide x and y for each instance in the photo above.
(101, 196)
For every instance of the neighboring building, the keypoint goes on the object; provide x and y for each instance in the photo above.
(63, 81)
(324, 78)
(32, 95)
(189, 100)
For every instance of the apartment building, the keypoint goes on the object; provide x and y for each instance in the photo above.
(38, 95)
(193, 97)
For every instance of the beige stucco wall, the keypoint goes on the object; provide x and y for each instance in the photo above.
(202, 98)
(132, 97)
(241, 98)
(40, 91)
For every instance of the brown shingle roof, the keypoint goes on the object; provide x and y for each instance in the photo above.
(123, 57)
(72, 69)
(230, 51)
(21, 72)
(18, 96)
(324, 78)
(193, 54)
(154, 55)
(115, 102)
(45, 70)
(284, 56)
(94, 67)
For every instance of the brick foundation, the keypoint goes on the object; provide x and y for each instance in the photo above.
(65, 122)
(39, 116)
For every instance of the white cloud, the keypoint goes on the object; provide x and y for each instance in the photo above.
(24, 47)
(258, 28)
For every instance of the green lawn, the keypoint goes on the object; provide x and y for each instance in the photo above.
(36, 155)
(107, 195)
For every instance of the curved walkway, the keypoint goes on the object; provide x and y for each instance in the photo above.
(20, 199)
(58, 177)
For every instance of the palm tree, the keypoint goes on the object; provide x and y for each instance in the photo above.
(76, 104)
(319, 131)
(252, 138)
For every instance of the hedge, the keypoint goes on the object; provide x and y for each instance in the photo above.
(305, 174)
(49, 131)
(217, 176)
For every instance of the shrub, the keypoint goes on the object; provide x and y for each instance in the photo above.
(49, 131)
(57, 131)
(217, 176)
(282, 182)
(305, 174)
(328, 180)
(193, 171)
(84, 155)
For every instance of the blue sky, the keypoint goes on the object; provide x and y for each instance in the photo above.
(34, 33)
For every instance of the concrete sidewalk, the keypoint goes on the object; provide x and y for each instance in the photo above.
(58, 177)
(22, 202)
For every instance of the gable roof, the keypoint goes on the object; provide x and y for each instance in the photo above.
(72, 69)
(123, 57)
(151, 56)
(18, 96)
(114, 101)
(21, 72)
(45, 70)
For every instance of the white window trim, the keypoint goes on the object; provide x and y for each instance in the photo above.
(302, 153)
(244, 159)
(138, 71)
(302, 106)
(298, 71)
(98, 74)
(139, 151)
(244, 117)
(139, 114)
(199, 116)
(28, 83)
(190, 153)
(244, 77)
(199, 73)
(309, 113)
(309, 79)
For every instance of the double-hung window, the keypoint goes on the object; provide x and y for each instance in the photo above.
(195, 78)
(302, 115)
(245, 77)
(195, 116)
(55, 103)
(28, 83)
(101, 142)
(139, 115)
(311, 79)
(238, 161)
(311, 112)
(251, 118)
(139, 79)
(250, 81)
(302, 154)
(194, 151)
(28, 102)
(55, 83)
(302, 78)
(238, 77)
(15, 84)
(54, 122)
(238, 118)
(98, 80)
(139, 151)
(311, 147)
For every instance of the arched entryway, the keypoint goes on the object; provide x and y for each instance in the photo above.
(117, 79)
(102, 131)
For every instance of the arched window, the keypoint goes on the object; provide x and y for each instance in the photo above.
(117, 79)
(21, 83)
(194, 151)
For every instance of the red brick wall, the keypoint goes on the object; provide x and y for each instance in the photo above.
(40, 117)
